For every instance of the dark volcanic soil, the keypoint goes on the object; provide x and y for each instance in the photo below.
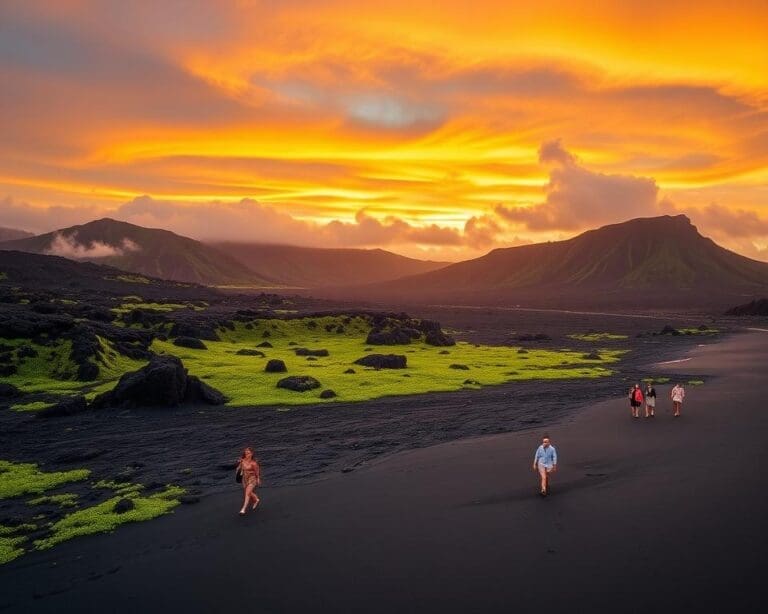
(196, 447)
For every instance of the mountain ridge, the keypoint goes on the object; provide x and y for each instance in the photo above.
(645, 261)
(146, 251)
(11, 234)
(311, 267)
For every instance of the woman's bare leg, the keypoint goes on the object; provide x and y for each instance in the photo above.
(245, 502)
(251, 496)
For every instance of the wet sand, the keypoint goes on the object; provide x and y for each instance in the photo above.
(664, 514)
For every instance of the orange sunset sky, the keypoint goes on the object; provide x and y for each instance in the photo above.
(434, 129)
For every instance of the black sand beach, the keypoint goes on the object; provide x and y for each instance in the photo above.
(663, 515)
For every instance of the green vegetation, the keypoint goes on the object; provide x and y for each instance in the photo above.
(15, 530)
(697, 331)
(25, 478)
(9, 549)
(695, 382)
(121, 488)
(53, 372)
(243, 380)
(32, 406)
(132, 279)
(164, 307)
(596, 337)
(63, 500)
(3, 275)
(102, 518)
(656, 380)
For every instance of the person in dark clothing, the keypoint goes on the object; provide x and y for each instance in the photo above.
(650, 400)
(635, 400)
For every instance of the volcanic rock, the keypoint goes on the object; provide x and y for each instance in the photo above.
(275, 366)
(190, 342)
(187, 329)
(534, 337)
(163, 382)
(439, 339)
(307, 352)
(298, 383)
(383, 361)
(328, 394)
(7, 370)
(123, 505)
(458, 366)
(26, 351)
(200, 392)
(8, 391)
(265, 344)
(248, 352)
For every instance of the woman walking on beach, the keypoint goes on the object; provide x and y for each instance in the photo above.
(635, 400)
(650, 400)
(545, 462)
(677, 395)
(250, 474)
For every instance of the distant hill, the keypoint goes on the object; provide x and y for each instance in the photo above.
(308, 267)
(647, 262)
(35, 272)
(147, 251)
(10, 234)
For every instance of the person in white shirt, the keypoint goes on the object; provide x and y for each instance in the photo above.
(545, 463)
(677, 395)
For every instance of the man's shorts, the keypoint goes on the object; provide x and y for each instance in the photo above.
(544, 470)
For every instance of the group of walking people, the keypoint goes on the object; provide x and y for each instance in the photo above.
(248, 471)
(545, 457)
(637, 399)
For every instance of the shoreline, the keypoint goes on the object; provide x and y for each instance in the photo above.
(458, 525)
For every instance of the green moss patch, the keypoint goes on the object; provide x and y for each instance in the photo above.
(62, 500)
(596, 337)
(132, 279)
(32, 406)
(695, 382)
(698, 331)
(243, 380)
(10, 549)
(25, 478)
(52, 372)
(102, 518)
(164, 307)
(120, 488)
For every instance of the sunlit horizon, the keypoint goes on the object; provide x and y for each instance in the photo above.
(434, 134)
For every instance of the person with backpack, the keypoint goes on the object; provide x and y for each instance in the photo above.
(635, 400)
(677, 395)
(650, 400)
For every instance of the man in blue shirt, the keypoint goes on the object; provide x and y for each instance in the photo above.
(545, 462)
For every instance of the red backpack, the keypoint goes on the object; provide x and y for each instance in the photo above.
(637, 395)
